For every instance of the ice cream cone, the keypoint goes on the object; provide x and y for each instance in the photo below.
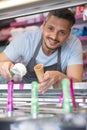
(39, 71)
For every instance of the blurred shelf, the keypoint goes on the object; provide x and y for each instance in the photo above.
(79, 16)
(83, 38)
(25, 23)
(85, 61)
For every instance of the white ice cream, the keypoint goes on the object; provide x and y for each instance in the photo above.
(19, 69)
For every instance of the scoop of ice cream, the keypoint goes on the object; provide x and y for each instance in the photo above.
(18, 69)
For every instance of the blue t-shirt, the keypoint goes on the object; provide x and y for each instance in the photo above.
(23, 48)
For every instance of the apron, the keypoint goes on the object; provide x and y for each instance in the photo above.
(31, 76)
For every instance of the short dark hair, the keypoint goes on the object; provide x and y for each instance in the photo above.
(63, 13)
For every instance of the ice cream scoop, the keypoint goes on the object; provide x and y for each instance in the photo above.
(18, 71)
(39, 71)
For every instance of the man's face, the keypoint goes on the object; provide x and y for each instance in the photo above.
(55, 32)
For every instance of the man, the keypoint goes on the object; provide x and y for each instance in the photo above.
(52, 45)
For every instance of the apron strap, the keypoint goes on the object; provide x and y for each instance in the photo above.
(59, 60)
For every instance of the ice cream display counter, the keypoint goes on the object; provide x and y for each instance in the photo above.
(51, 114)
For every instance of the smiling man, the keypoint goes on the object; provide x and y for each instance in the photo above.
(52, 45)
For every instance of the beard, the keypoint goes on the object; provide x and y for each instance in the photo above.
(56, 42)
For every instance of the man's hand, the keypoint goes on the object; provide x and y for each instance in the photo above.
(4, 69)
(51, 78)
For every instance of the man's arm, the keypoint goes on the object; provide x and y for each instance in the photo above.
(5, 66)
(75, 72)
(3, 57)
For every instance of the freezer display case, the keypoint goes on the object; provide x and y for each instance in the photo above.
(51, 113)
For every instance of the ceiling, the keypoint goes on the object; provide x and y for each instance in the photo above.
(15, 8)
(11, 3)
